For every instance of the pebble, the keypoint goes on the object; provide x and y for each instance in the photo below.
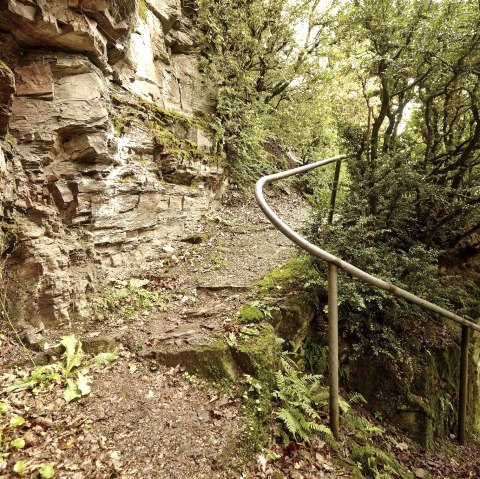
(168, 248)
(421, 473)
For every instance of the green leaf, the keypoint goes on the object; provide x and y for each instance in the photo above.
(19, 467)
(71, 392)
(37, 377)
(82, 384)
(3, 407)
(17, 421)
(104, 358)
(73, 352)
(19, 443)
(47, 471)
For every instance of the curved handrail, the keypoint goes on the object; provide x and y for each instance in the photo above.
(329, 258)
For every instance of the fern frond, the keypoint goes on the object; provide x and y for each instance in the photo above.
(290, 421)
(320, 428)
(344, 406)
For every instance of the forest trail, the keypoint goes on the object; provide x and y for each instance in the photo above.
(147, 420)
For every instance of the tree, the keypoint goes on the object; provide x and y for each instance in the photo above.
(257, 54)
(419, 173)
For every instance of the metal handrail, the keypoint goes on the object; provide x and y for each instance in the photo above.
(334, 262)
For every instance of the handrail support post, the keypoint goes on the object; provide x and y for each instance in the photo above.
(463, 389)
(333, 348)
(333, 198)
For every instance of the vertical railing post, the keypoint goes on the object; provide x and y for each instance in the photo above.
(463, 389)
(333, 348)
(333, 198)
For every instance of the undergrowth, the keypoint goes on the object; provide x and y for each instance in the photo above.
(290, 412)
(126, 298)
(70, 373)
(299, 398)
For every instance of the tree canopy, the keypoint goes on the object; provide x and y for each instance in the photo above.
(395, 83)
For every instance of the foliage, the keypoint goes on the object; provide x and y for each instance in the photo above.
(315, 356)
(71, 371)
(46, 471)
(39, 379)
(416, 169)
(11, 439)
(10, 430)
(257, 407)
(46, 376)
(412, 208)
(298, 397)
(127, 297)
(259, 66)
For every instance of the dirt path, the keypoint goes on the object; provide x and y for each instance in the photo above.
(141, 419)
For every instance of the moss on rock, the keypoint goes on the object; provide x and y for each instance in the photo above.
(168, 128)
(376, 461)
(259, 355)
(293, 318)
(249, 313)
(289, 277)
(211, 361)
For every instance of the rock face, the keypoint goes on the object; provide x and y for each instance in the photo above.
(104, 161)
(7, 89)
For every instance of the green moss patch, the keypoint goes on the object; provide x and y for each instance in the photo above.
(258, 354)
(377, 463)
(294, 275)
(250, 313)
(213, 361)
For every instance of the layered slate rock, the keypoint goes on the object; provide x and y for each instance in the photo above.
(104, 167)
(7, 89)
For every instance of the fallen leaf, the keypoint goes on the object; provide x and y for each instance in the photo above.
(66, 442)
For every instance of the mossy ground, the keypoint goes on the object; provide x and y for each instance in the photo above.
(294, 275)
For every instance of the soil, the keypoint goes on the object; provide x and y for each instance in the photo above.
(147, 420)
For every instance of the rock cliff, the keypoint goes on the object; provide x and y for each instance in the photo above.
(105, 152)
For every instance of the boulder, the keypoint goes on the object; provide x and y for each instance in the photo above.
(167, 11)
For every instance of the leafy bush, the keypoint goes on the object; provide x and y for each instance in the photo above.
(71, 370)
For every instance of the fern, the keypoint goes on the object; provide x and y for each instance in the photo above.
(299, 397)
